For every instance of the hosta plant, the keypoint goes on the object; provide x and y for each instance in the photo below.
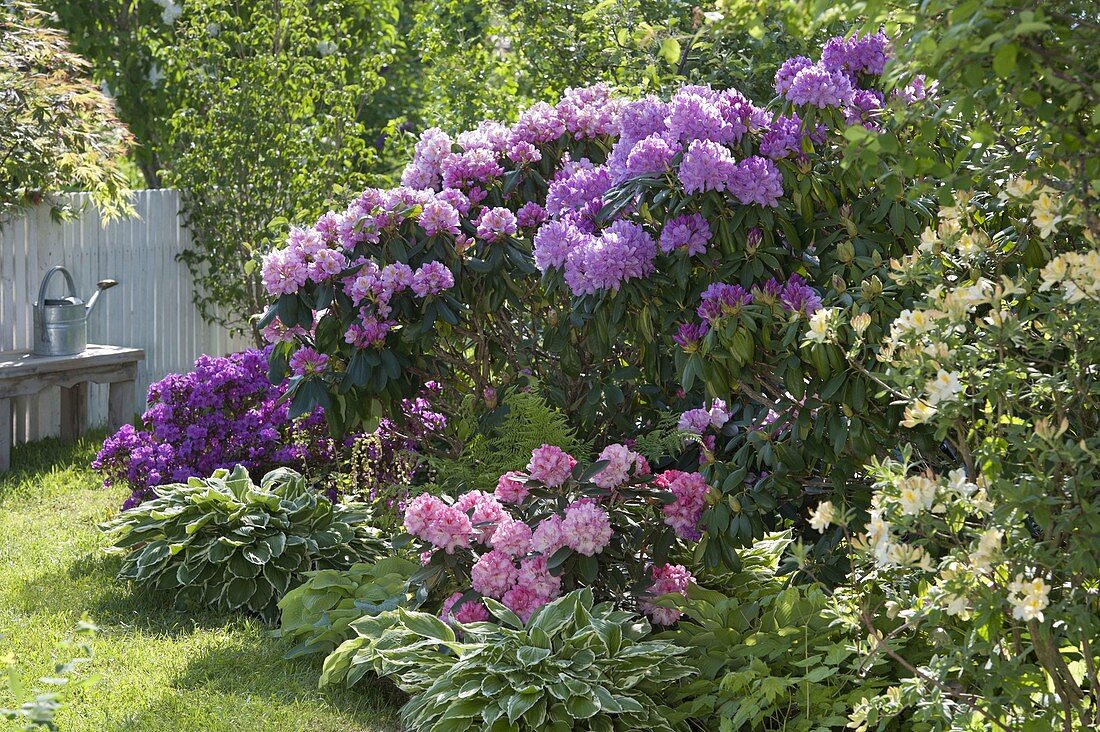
(226, 543)
(318, 613)
(575, 665)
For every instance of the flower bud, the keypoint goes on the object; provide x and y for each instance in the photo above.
(490, 395)
(876, 258)
(872, 288)
(839, 284)
(846, 252)
(754, 239)
(861, 322)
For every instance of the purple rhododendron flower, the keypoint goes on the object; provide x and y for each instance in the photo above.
(687, 231)
(818, 86)
(756, 180)
(706, 166)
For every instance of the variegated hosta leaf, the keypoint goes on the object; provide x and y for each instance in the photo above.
(555, 673)
(227, 543)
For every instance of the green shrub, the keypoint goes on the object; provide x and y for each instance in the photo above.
(226, 543)
(769, 655)
(318, 613)
(574, 666)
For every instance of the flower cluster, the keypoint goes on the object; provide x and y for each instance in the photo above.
(667, 579)
(507, 540)
(223, 413)
(720, 301)
(833, 81)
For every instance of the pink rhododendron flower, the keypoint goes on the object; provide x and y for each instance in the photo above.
(620, 461)
(512, 538)
(548, 536)
(511, 488)
(523, 601)
(683, 514)
(493, 574)
(471, 611)
(421, 512)
(586, 527)
(534, 575)
(449, 530)
(550, 465)
(667, 579)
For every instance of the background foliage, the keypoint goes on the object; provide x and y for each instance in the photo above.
(59, 131)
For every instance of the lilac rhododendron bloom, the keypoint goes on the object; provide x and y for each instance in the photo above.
(307, 362)
(756, 180)
(654, 154)
(797, 296)
(590, 111)
(530, 215)
(820, 87)
(862, 53)
(706, 166)
(493, 224)
(687, 231)
(688, 335)
(437, 217)
(431, 279)
(538, 124)
(784, 77)
(720, 300)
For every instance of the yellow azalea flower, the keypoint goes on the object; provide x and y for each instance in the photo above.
(821, 326)
(1018, 187)
(1045, 216)
(822, 516)
(918, 412)
(944, 388)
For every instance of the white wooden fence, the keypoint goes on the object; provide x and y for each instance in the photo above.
(151, 308)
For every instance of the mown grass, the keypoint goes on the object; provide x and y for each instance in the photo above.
(155, 669)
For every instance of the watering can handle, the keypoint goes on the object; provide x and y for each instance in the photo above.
(46, 283)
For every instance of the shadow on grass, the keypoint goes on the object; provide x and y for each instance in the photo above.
(254, 666)
(36, 463)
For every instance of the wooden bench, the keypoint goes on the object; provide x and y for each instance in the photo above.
(23, 374)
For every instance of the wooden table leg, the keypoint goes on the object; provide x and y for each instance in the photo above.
(6, 435)
(120, 404)
(74, 412)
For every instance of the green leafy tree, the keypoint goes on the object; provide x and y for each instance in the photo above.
(266, 99)
(57, 130)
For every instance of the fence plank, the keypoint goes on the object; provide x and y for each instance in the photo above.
(151, 308)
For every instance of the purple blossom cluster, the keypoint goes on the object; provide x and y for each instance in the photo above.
(508, 555)
(721, 300)
(706, 423)
(834, 81)
(223, 413)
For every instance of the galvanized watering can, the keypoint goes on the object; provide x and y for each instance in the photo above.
(61, 324)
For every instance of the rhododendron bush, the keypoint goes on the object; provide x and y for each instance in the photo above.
(636, 213)
(226, 412)
(559, 526)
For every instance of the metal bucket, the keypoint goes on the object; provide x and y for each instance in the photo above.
(60, 324)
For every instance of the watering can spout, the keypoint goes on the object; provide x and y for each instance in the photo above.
(101, 286)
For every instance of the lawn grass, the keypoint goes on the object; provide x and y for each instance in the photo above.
(156, 669)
